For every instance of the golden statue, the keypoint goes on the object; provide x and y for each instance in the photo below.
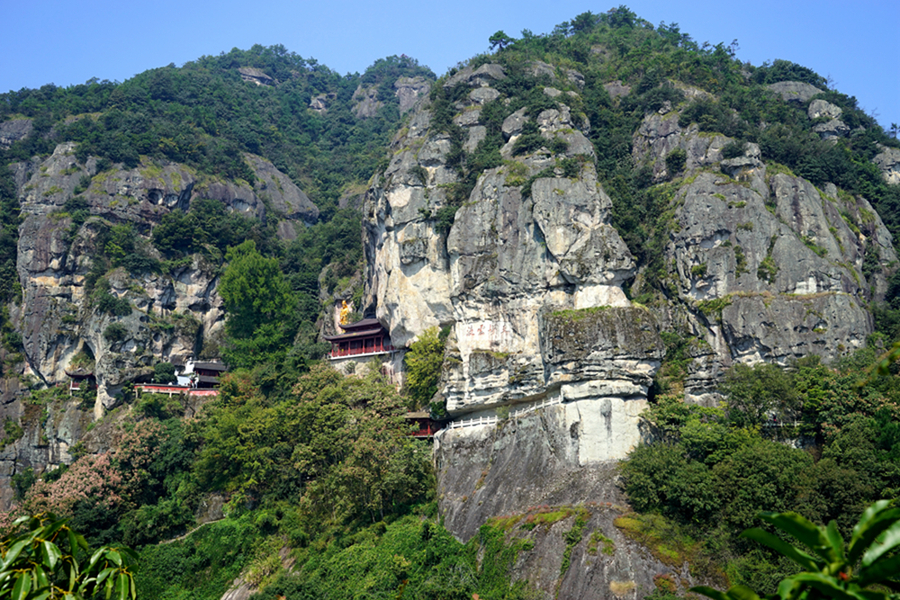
(346, 309)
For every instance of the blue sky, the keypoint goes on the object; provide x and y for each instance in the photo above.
(64, 42)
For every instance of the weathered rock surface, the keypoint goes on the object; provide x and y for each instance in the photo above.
(766, 266)
(547, 363)
(529, 282)
(834, 128)
(794, 91)
(888, 160)
(821, 108)
(365, 102)
(409, 90)
(254, 75)
(142, 195)
(506, 258)
(545, 459)
(14, 130)
(321, 102)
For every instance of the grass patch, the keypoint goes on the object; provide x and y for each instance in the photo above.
(596, 540)
(714, 306)
(668, 542)
(572, 537)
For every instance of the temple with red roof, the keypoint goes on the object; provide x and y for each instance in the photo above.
(363, 342)
(363, 338)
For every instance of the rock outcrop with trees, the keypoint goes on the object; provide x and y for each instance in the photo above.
(641, 283)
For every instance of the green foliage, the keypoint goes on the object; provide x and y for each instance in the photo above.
(713, 470)
(201, 567)
(572, 537)
(500, 40)
(413, 557)
(208, 222)
(106, 302)
(115, 332)
(260, 306)
(44, 558)
(596, 540)
(423, 366)
(785, 70)
(334, 437)
(9, 234)
(757, 394)
(163, 372)
(12, 432)
(676, 361)
(865, 567)
(715, 306)
(768, 269)
(204, 115)
(734, 149)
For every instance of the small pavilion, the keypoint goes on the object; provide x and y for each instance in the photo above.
(79, 379)
(363, 338)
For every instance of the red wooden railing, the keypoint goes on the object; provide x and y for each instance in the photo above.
(376, 349)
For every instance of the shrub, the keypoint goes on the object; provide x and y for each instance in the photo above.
(675, 161)
(115, 332)
(734, 149)
(108, 303)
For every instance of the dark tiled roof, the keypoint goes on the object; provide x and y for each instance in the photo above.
(210, 366)
(364, 324)
(355, 335)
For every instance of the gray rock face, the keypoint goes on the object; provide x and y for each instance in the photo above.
(365, 102)
(254, 75)
(321, 102)
(821, 108)
(483, 76)
(534, 461)
(616, 89)
(144, 194)
(834, 128)
(409, 90)
(888, 160)
(14, 130)
(794, 91)
(547, 363)
(284, 197)
(767, 266)
(660, 134)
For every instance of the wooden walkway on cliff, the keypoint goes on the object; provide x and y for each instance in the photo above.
(492, 420)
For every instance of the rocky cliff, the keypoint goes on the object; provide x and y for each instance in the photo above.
(529, 281)
(548, 363)
(170, 315)
(760, 264)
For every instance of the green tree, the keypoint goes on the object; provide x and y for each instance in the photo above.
(261, 308)
(423, 366)
(500, 39)
(44, 559)
(757, 393)
(163, 372)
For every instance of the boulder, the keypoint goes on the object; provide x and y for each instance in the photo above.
(794, 91)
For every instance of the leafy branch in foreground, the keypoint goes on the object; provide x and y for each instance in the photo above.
(44, 559)
(859, 570)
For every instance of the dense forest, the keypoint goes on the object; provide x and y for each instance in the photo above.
(317, 467)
